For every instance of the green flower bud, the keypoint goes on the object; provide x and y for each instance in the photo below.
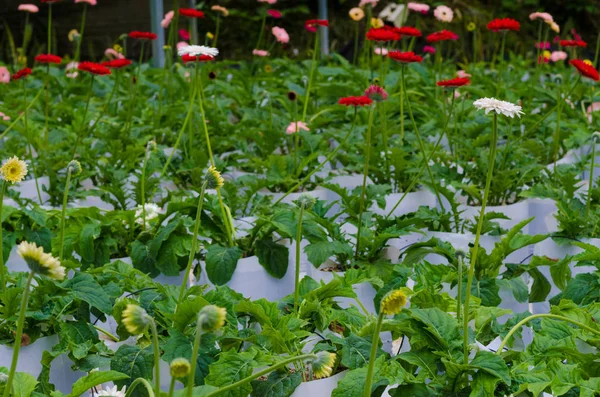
(180, 368)
(306, 201)
(214, 178)
(211, 318)
(135, 319)
(75, 167)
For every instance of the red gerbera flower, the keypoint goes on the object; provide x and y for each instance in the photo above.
(311, 24)
(504, 24)
(48, 58)
(117, 63)
(442, 35)
(572, 43)
(585, 69)
(21, 73)
(408, 31)
(355, 101)
(405, 57)
(200, 58)
(191, 13)
(456, 82)
(382, 34)
(94, 68)
(274, 13)
(143, 35)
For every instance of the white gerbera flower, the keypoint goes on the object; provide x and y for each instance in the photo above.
(197, 50)
(112, 392)
(152, 212)
(498, 106)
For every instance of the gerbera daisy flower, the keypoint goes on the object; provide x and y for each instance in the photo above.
(356, 14)
(541, 15)
(296, 127)
(381, 34)
(443, 14)
(504, 25)
(418, 7)
(166, 21)
(322, 366)
(405, 57)
(13, 170)
(274, 14)
(191, 13)
(501, 107)
(4, 75)
(90, 2)
(408, 31)
(453, 83)
(557, 56)
(198, 50)
(143, 35)
(429, 49)
(40, 262)
(311, 24)
(200, 58)
(260, 53)
(135, 319)
(280, 34)
(48, 58)
(117, 63)
(180, 367)
(113, 392)
(21, 73)
(94, 68)
(224, 11)
(442, 35)
(212, 318)
(393, 302)
(585, 69)
(364, 3)
(355, 101)
(32, 8)
(214, 178)
(376, 93)
(572, 43)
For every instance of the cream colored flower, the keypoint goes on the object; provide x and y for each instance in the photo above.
(377, 23)
(197, 50)
(40, 262)
(224, 11)
(13, 170)
(443, 14)
(356, 14)
(498, 106)
(112, 392)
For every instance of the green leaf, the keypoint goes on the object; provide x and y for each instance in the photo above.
(278, 384)
(483, 385)
(89, 232)
(493, 364)
(85, 288)
(230, 368)
(93, 379)
(318, 252)
(133, 362)
(23, 385)
(356, 352)
(221, 263)
(188, 311)
(273, 257)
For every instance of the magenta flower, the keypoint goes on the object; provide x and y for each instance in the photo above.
(429, 49)
(376, 93)
(184, 34)
(274, 14)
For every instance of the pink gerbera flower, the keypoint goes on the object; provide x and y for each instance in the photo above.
(167, 19)
(418, 7)
(280, 35)
(376, 93)
(32, 8)
(4, 75)
(295, 127)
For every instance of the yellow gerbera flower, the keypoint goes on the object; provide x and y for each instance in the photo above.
(322, 367)
(40, 262)
(377, 23)
(214, 178)
(393, 302)
(14, 170)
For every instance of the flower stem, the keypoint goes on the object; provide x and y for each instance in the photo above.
(105, 332)
(2, 267)
(402, 109)
(156, 357)
(18, 336)
(214, 44)
(260, 373)
(364, 184)
(372, 356)
(30, 146)
(298, 243)
(542, 315)
(491, 162)
(83, 17)
(62, 215)
(330, 156)
(129, 120)
(107, 105)
(49, 28)
(172, 387)
(194, 359)
(313, 65)
(188, 268)
(10, 127)
(556, 145)
(459, 286)
(143, 382)
(143, 187)
(591, 184)
(82, 126)
(262, 31)
(597, 51)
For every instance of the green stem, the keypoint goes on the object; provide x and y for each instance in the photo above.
(373, 355)
(188, 268)
(143, 382)
(106, 107)
(105, 332)
(217, 30)
(556, 145)
(18, 336)
(194, 359)
(501, 67)
(63, 215)
(156, 357)
(262, 31)
(591, 184)
(597, 51)
(30, 146)
(364, 184)
(143, 187)
(260, 373)
(49, 28)
(83, 17)
(355, 55)
(129, 121)
(491, 162)
(11, 125)
(172, 387)
(298, 243)
(2, 267)
(402, 109)
(82, 126)
(329, 157)
(313, 65)
(539, 40)
(421, 145)
(542, 315)
(459, 295)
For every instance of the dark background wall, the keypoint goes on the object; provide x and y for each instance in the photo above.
(111, 18)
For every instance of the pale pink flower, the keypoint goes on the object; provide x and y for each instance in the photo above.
(381, 51)
(187, 76)
(4, 117)
(268, 1)
(594, 107)
(363, 3)
(456, 94)
(182, 44)
(260, 53)
(429, 49)
(557, 56)
(461, 74)
(376, 93)
(90, 2)
(4, 75)
(296, 127)
(32, 8)
(280, 34)
(71, 70)
(167, 19)
(111, 53)
(541, 15)
(443, 14)
(418, 7)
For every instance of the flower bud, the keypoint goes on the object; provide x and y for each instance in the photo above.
(75, 167)
(306, 201)
(135, 319)
(322, 366)
(151, 145)
(214, 179)
(393, 302)
(211, 318)
(180, 368)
